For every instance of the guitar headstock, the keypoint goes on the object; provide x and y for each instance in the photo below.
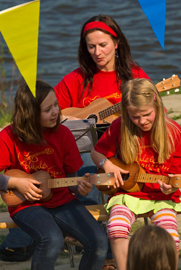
(103, 179)
(168, 84)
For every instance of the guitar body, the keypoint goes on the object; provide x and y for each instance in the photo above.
(105, 113)
(92, 111)
(130, 184)
(14, 197)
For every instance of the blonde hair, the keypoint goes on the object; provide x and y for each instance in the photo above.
(137, 93)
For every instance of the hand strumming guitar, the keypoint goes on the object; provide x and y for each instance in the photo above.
(27, 187)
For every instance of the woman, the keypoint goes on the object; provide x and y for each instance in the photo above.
(34, 142)
(145, 135)
(106, 63)
(151, 248)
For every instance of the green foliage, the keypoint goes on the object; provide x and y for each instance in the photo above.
(172, 92)
(2, 238)
(6, 88)
(3, 206)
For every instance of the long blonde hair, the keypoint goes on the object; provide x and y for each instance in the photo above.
(137, 93)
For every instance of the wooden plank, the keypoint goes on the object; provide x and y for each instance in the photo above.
(98, 212)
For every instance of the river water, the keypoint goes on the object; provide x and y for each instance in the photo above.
(61, 22)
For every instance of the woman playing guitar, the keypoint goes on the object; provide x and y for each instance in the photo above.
(143, 134)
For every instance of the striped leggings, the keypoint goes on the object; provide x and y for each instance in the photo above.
(121, 220)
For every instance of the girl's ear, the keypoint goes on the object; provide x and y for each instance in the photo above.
(116, 45)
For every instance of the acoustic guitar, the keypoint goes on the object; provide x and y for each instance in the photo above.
(14, 197)
(109, 112)
(135, 179)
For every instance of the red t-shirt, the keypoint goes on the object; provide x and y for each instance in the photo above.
(69, 89)
(58, 156)
(109, 145)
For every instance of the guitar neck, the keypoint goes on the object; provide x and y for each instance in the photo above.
(151, 178)
(110, 111)
(64, 182)
(102, 179)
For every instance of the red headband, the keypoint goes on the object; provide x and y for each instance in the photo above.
(100, 25)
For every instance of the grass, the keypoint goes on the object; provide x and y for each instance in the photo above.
(7, 86)
(3, 206)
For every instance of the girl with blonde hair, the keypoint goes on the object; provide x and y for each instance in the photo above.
(146, 136)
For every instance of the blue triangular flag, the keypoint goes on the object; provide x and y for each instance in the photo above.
(155, 11)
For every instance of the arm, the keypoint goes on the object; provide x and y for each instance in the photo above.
(108, 167)
(4, 182)
(26, 186)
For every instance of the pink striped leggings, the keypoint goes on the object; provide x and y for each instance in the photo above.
(121, 220)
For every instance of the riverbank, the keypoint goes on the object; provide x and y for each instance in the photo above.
(173, 105)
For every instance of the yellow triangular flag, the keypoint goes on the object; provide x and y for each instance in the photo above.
(19, 26)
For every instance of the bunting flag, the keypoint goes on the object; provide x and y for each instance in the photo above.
(19, 26)
(155, 10)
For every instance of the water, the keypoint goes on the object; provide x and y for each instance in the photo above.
(61, 21)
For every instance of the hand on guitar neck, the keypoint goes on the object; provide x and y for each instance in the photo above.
(133, 181)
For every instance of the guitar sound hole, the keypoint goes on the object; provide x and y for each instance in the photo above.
(93, 116)
(125, 176)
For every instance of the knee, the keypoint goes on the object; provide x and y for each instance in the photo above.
(52, 241)
(98, 244)
(118, 232)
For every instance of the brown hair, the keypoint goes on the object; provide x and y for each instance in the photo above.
(123, 64)
(137, 93)
(26, 112)
(151, 248)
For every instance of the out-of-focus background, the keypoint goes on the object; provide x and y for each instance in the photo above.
(60, 25)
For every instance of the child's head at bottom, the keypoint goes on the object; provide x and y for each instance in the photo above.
(151, 248)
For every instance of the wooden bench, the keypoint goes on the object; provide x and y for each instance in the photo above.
(98, 212)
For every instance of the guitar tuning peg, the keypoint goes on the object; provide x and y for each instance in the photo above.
(176, 90)
(163, 79)
(173, 75)
(168, 93)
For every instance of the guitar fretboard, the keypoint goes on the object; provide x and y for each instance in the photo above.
(103, 179)
(151, 178)
(110, 111)
(65, 182)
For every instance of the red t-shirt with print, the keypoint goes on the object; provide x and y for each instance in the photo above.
(109, 145)
(69, 90)
(59, 155)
